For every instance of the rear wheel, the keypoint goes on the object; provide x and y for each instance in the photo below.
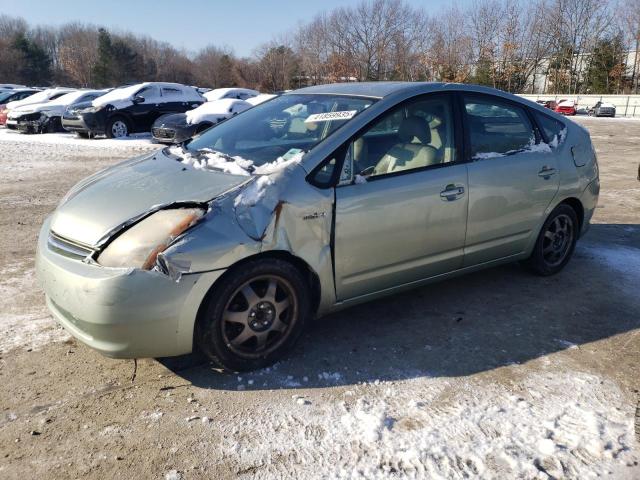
(117, 127)
(255, 316)
(83, 135)
(556, 242)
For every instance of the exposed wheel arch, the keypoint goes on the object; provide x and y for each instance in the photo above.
(577, 207)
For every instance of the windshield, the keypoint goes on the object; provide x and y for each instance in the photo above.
(279, 128)
(5, 95)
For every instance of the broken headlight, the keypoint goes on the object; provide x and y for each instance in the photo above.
(140, 245)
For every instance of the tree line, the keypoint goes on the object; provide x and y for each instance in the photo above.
(559, 46)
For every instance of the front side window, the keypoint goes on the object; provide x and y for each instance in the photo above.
(497, 128)
(285, 126)
(416, 135)
(148, 93)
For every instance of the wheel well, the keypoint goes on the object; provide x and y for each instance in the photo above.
(308, 273)
(577, 207)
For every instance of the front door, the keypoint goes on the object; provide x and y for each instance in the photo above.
(512, 179)
(403, 217)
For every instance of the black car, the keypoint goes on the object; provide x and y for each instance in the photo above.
(178, 127)
(131, 109)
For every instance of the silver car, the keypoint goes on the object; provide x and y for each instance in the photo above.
(317, 200)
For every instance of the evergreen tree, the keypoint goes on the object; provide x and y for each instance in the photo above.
(606, 66)
(34, 67)
(102, 75)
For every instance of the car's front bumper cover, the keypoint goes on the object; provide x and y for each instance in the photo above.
(121, 313)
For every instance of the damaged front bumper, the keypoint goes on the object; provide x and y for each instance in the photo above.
(122, 313)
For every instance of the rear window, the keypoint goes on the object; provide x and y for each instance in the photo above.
(497, 127)
(550, 127)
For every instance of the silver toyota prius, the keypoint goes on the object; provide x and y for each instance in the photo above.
(314, 201)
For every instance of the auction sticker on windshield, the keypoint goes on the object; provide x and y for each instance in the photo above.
(325, 117)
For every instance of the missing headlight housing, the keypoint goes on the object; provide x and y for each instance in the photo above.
(139, 246)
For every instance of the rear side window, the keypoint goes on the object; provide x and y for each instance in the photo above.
(551, 128)
(171, 92)
(497, 128)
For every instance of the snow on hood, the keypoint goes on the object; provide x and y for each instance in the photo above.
(220, 93)
(567, 103)
(217, 110)
(39, 97)
(263, 97)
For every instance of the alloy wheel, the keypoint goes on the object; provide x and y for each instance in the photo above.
(259, 316)
(558, 239)
(119, 129)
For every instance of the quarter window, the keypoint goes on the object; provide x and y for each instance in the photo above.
(497, 128)
(414, 136)
(551, 128)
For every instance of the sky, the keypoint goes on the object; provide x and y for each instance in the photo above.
(241, 25)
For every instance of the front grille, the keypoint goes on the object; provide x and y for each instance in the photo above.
(164, 133)
(68, 248)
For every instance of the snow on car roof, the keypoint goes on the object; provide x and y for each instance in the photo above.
(607, 105)
(72, 97)
(258, 99)
(567, 103)
(39, 97)
(213, 111)
(121, 97)
(220, 93)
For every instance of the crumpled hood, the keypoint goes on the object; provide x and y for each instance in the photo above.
(108, 200)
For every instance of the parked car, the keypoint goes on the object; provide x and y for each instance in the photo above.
(47, 116)
(235, 239)
(566, 107)
(551, 104)
(131, 109)
(40, 97)
(11, 86)
(12, 95)
(603, 109)
(238, 93)
(178, 127)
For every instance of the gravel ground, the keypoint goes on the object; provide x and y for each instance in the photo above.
(498, 374)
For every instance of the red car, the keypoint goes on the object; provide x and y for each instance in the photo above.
(566, 107)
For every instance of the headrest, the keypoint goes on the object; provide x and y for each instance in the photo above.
(414, 127)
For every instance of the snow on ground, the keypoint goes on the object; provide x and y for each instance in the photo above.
(22, 327)
(133, 140)
(559, 424)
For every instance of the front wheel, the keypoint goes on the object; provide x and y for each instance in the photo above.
(556, 242)
(117, 127)
(254, 316)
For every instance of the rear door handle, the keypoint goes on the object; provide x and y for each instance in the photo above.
(452, 192)
(546, 172)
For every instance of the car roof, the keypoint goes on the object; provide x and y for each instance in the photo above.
(386, 89)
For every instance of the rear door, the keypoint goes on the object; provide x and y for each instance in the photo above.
(512, 178)
(398, 225)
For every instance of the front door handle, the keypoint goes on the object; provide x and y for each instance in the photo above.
(451, 192)
(546, 172)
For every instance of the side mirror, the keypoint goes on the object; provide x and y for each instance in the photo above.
(138, 99)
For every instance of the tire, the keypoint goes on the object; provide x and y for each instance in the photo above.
(117, 127)
(242, 332)
(83, 135)
(555, 243)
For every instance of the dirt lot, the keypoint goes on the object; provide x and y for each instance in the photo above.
(499, 374)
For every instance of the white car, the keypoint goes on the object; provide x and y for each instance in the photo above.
(40, 97)
(239, 93)
(46, 116)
